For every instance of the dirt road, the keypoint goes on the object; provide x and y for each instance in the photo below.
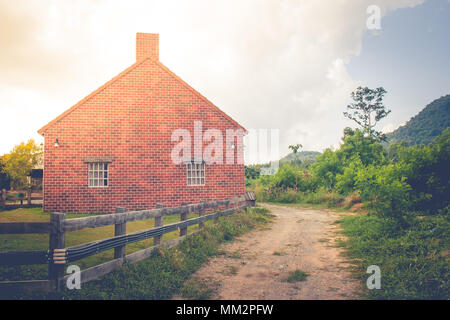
(256, 265)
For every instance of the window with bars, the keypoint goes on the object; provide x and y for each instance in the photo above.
(98, 174)
(195, 174)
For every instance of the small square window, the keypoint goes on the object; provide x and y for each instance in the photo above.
(98, 174)
(195, 174)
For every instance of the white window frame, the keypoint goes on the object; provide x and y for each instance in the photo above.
(195, 174)
(98, 174)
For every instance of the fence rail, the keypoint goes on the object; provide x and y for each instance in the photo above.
(24, 257)
(19, 196)
(24, 227)
(57, 256)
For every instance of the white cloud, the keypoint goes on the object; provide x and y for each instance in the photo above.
(268, 64)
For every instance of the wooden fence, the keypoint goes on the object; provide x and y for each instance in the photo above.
(19, 196)
(57, 256)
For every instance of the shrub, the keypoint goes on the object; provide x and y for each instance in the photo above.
(322, 196)
(427, 171)
(327, 167)
(286, 178)
(288, 196)
(386, 192)
(345, 182)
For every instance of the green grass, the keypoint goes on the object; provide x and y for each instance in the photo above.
(165, 272)
(304, 205)
(296, 276)
(414, 262)
(318, 199)
(197, 289)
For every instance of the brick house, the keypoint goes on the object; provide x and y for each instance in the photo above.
(113, 148)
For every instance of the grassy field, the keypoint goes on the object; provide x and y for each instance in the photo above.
(20, 242)
(414, 262)
(165, 273)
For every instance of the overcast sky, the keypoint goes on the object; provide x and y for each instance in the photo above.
(287, 65)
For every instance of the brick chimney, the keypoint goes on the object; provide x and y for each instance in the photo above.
(147, 45)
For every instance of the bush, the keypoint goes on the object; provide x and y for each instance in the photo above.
(322, 196)
(345, 182)
(288, 196)
(327, 167)
(427, 171)
(386, 192)
(286, 178)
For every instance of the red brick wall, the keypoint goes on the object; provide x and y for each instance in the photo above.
(131, 121)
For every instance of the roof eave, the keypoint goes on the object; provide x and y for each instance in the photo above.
(123, 73)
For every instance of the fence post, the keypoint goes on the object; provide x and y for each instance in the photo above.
(216, 205)
(227, 204)
(3, 197)
(159, 221)
(120, 229)
(57, 240)
(201, 212)
(29, 196)
(183, 216)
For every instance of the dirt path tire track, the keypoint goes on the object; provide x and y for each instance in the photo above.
(302, 239)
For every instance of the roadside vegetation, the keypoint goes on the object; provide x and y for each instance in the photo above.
(166, 272)
(402, 194)
(414, 260)
(403, 199)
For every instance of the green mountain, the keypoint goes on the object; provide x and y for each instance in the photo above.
(302, 156)
(426, 125)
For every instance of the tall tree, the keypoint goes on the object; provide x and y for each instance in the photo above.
(294, 149)
(368, 109)
(4, 179)
(20, 161)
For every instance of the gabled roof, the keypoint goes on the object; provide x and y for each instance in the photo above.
(122, 74)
